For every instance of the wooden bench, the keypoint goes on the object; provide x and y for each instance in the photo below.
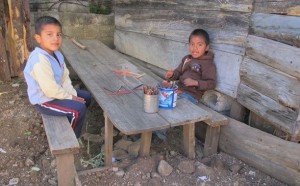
(95, 67)
(63, 145)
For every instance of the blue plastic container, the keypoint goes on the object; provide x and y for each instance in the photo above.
(167, 97)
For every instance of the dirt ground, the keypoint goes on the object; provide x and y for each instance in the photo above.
(25, 158)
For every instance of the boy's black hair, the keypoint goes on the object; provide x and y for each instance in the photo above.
(45, 20)
(200, 32)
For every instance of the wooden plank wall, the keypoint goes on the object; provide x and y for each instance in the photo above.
(270, 71)
(157, 32)
(256, 45)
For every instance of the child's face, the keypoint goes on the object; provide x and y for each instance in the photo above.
(50, 38)
(197, 46)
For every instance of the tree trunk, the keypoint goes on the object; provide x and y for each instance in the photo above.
(15, 30)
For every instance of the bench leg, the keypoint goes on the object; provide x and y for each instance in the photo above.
(189, 140)
(108, 143)
(211, 140)
(66, 171)
(145, 143)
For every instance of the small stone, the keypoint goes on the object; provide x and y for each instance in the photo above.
(148, 175)
(186, 167)
(235, 168)
(154, 182)
(115, 169)
(164, 168)
(29, 162)
(52, 181)
(137, 184)
(123, 144)
(15, 85)
(134, 148)
(120, 173)
(13, 181)
(173, 153)
(155, 175)
(53, 163)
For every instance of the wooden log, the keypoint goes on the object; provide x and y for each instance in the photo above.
(4, 65)
(274, 6)
(273, 83)
(280, 116)
(274, 156)
(168, 54)
(286, 27)
(228, 33)
(219, 5)
(264, 51)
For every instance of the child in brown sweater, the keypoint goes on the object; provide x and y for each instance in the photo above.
(196, 72)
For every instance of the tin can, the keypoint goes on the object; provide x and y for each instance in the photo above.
(151, 103)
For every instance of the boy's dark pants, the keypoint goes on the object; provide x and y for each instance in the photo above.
(74, 110)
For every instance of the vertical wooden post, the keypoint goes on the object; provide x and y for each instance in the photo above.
(108, 143)
(211, 140)
(145, 143)
(66, 171)
(189, 140)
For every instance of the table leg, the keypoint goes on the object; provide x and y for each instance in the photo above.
(189, 140)
(211, 140)
(145, 143)
(108, 143)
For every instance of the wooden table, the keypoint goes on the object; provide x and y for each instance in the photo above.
(95, 67)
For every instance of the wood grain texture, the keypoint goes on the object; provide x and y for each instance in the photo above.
(284, 29)
(193, 5)
(145, 144)
(281, 87)
(274, 6)
(167, 54)
(278, 55)
(189, 140)
(108, 143)
(227, 33)
(66, 172)
(280, 116)
(211, 140)
(60, 135)
(272, 155)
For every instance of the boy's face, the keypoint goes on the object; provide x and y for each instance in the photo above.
(197, 46)
(50, 38)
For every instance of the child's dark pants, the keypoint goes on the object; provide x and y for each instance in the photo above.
(74, 110)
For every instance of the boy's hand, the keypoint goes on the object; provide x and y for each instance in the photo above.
(190, 82)
(169, 74)
(78, 99)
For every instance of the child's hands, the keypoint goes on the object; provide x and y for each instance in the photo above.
(169, 74)
(78, 99)
(190, 82)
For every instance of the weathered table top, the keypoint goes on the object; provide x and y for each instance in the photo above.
(95, 67)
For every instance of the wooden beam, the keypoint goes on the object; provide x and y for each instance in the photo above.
(262, 50)
(211, 140)
(108, 143)
(145, 143)
(270, 154)
(66, 171)
(280, 116)
(189, 140)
